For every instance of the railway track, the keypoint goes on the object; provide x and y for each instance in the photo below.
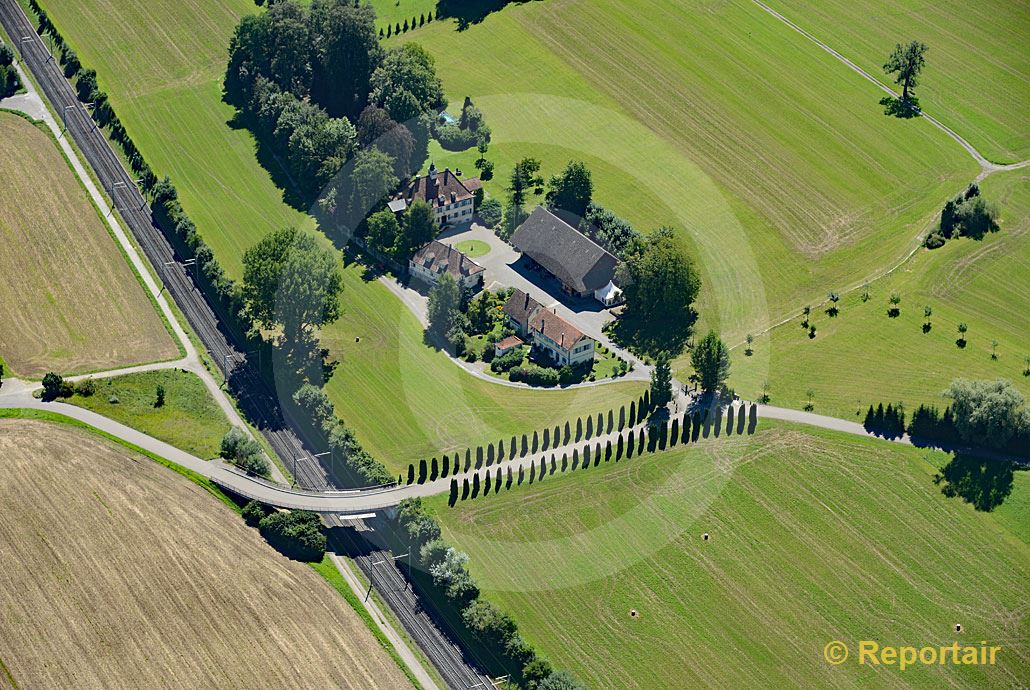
(384, 571)
(254, 395)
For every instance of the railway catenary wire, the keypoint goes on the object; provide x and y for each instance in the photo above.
(252, 391)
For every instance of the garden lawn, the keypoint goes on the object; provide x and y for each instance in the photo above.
(473, 248)
(864, 357)
(408, 401)
(189, 420)
(814, 536)
(60, 267)
(977, 74)
(769, 156)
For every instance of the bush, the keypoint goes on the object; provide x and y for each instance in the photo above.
(454, 138)
(933, 241)
(86, 387)
(534, 375)
(508, 360)
(297, 534)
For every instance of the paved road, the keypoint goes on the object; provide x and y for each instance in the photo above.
(257, 399)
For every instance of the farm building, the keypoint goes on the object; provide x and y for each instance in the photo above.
(547, 331)
(582, 266)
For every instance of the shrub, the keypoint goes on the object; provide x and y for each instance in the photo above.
(86, 387)
(508, 360)
(454, 138)
(534, 375)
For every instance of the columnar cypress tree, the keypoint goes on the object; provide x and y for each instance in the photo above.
(532, 473)
(453, 498)
(597, 454)
(508, 483)
(619, 448)
(487, 484)
(543, 467)
(512, 449)
(607, 450)
(647, 401)
(490, 455)
(434, 470)
(586, 456)
(600, 423)
(674, 434)
(479, 457)
(536, 441)
(497, 481)
(468, 459)
(564, 462)
(575, 459)
(622, 418)
(663, 436)
(729, 420)
(579, 428)
(522, 474)
(464, 488)
(640, 442)
(632, 413)
(685, 438)
(446, 467)
(423, 471)
(475, 484)
(631, 441)
(611, 421)
(411, 474)
(525, 446)
(554, 464)
(590, 427)
(556, 436)
(697, 426)
(753, 420)
(568, 433)
(547, 438)
(500, 450)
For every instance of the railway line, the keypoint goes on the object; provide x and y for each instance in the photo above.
(254, 395)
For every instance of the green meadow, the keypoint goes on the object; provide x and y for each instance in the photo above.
(977, 72)
(863, 357)
(813, 536)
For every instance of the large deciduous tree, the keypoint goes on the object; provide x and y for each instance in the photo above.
(292, 282)
(988, 412)
(905, 63)
(711, 360)
(345, 53)
(661, 381)
(444, 305)
(406, 83)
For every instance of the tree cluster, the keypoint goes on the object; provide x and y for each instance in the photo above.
(340, 439)
(315, 84)
(967, 215)
(988, 413)
(297, 534)
(492, 627)
(711, 361)
(400, 238)
(607, 229)
(470, 129)
(888, 422)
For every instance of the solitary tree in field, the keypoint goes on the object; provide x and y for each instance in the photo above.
(749, 339)
(905, 63)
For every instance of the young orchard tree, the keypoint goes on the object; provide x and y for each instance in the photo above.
(906, 62)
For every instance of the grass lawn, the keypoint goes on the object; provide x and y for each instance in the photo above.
(815, 536)
(862, 356)
(60, 267)
(473, 248)
(977, 73)
(772, 159)
(190, 419)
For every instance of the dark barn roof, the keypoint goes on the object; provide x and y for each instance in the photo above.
(441, 258)
(520, 306)
(566, 253)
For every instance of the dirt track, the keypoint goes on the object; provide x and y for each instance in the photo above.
(118, 573)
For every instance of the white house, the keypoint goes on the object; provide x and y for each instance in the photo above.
(453, 200)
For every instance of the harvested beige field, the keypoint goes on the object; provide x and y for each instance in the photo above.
(69, 301)
(118, 573)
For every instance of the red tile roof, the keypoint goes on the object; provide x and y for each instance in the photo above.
(556, 328)
(510, 342)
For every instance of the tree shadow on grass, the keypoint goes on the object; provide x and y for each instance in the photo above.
(647, 335)
(904, 109)
(983, 483)
(468, 12)
(264, 150)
